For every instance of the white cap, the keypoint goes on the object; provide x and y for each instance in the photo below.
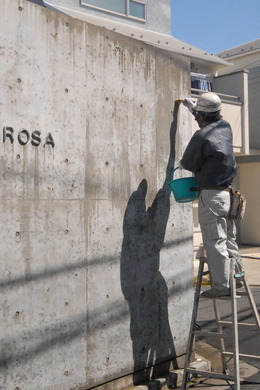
(208, 102)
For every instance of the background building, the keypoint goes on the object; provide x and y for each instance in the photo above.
(246, 58)
(151, 15)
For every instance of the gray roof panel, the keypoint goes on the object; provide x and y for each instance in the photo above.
(241, 49)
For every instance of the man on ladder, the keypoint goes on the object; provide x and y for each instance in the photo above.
(209, 155)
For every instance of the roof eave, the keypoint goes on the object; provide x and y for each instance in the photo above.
(163, 41)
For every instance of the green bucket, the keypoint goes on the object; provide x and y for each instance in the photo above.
(185, 189)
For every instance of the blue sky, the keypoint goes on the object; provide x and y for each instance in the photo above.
(216, 25)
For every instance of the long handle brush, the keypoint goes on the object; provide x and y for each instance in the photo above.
(178, 101)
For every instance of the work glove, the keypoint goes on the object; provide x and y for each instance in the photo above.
(189, 103)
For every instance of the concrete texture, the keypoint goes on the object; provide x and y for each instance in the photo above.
(96, 256)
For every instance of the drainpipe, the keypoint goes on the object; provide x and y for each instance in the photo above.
(245, 114)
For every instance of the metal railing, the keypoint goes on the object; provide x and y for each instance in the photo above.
(223, 96)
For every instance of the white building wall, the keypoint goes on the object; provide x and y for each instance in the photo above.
(158, 13)
(249, 177)
(254, 112)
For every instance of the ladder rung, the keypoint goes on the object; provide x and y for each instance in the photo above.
(203, 333)
(239, 323)
(242, 293)
(210, 374)
(228, 297)
(226, 353)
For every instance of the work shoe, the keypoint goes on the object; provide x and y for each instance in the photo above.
(216, 293)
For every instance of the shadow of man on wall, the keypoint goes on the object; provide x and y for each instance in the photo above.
(142, 283)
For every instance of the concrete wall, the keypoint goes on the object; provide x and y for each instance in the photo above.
(96, 255)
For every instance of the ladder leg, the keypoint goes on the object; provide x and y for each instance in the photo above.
(189, 371)
(252, 302)
(238, 266)
(193, 324)
(222, 342)
(235, 328)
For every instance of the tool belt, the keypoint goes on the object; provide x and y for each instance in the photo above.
(219, 188)
(238, 201)
(238, 204)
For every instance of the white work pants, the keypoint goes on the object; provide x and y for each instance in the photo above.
(218, 233)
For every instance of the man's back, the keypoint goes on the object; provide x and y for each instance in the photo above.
(209, 155)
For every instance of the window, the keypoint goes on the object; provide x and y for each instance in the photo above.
(136, 9)
(129, 8)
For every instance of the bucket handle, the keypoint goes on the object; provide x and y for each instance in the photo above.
(175, 169)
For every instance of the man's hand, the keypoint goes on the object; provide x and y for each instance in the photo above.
(189, 103)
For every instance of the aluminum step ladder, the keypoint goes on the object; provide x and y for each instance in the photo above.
(226, 356)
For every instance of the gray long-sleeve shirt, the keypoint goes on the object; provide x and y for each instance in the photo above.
(209, 154)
